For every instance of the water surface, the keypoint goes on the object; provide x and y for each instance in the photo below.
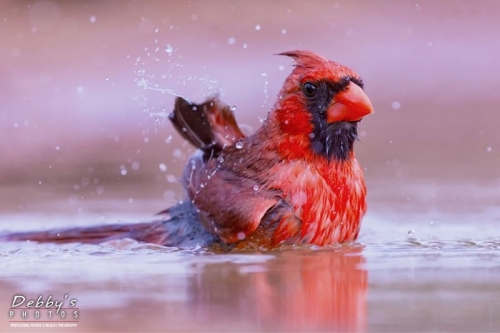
(411, 269)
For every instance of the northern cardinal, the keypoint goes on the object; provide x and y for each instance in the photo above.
(296, 180)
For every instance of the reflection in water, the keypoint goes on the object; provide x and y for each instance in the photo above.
(138, 287)
(323, 290)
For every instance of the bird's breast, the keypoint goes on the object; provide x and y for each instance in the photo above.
(329, 198)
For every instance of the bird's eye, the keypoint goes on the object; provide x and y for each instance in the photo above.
(309, 89)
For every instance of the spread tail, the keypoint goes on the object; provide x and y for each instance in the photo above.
(181, 228)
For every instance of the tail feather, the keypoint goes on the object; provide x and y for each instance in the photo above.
(181, 229)
(94, 234)
(209, 126)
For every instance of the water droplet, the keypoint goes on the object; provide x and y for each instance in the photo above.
(177, 153)
(396, 105)
(163, 167)
(317, 146)
(123, 172)
(263, 74)
(58, 148)
(135, 165)
(245, 45)
(241, 235)
(283, 31)
(92, 19)
(194, 108)
(281, 67)
(233, 107)
(299, 198)
(168, 139)
(488, 149)
(100, 189)
(257, 27)
(411, 232)
(85, 181)
(239, 145)
(231, 41)
(169, 49)
(256, 187)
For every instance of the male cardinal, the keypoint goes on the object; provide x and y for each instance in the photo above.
(296, 180)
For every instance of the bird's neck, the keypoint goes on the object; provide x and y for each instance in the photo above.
(333, 143)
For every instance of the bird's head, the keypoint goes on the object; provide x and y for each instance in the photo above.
(319, 107)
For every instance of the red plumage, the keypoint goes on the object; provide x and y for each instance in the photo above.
(296, 180)
(296, 183)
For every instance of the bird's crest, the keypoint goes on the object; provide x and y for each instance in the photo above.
(305, 59)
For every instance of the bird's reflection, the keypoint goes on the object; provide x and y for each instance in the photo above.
(295, 291)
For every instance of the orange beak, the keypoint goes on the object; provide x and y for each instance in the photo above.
(351, 104)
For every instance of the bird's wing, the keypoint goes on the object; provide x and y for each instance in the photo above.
(232, 207)
(209, 126)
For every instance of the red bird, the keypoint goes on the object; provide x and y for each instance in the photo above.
(296, 180)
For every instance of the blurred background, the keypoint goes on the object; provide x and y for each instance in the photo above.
(85, 90)
(86, 87)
